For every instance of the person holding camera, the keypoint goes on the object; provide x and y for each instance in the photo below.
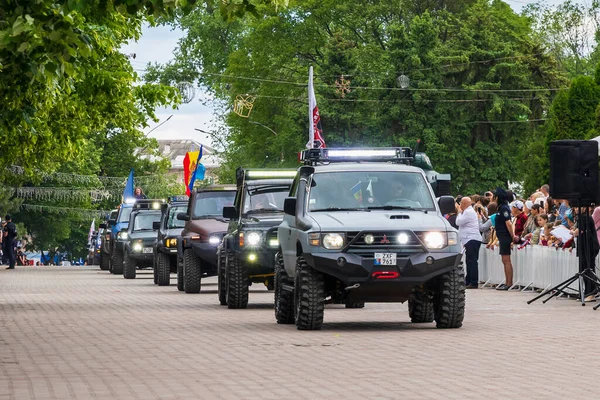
(470, 237)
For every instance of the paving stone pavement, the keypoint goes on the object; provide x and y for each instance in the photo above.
(68, 332)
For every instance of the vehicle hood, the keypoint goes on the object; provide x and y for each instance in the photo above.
(268, 220)
(144, 235)
(173, 232)
(379, 220)
(207, 226)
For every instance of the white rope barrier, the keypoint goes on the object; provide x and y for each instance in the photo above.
(534, 267)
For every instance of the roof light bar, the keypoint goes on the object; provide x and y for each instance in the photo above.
(386, 154)
(257, 174)
(360, 153)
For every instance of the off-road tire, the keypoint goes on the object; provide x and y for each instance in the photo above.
(180, 277)
(129, 267)
(349, 304)
(163, 269)
(222, 277)
(420, 307)
(309, 297)
(117, 262)
(104, 262)
(449, 301)
(237, 283)
(284, 300)
(191, 271)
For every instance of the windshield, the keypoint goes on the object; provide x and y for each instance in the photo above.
(369, 190)
(265, 198)
(124, 214)
(210, 204)
(143, 221)
(173, 222)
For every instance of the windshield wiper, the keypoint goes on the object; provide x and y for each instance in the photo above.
(392, 208)
(257, 210)
(340, 209)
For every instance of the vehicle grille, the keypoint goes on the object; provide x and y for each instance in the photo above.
(271, 234)
(385, 242)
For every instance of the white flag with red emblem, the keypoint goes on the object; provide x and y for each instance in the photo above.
(315, 132)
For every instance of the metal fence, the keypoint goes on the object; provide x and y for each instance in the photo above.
(535, 267)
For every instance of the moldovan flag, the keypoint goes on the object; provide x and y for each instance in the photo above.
(315, 131)
(192, 169)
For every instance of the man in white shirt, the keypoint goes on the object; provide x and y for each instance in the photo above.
(470, 237)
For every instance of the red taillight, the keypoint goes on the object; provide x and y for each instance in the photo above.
(385, 274)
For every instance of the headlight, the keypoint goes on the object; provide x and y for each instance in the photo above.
(274, 242)
(214, 240)
(171, 242)
(333, 241)
(137, 247)
(403, 238)
(122, 235)
(156, 206)
(435, 240)
(253, 238)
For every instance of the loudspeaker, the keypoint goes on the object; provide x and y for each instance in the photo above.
(574, 171)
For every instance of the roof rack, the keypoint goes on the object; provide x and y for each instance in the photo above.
(398, 155)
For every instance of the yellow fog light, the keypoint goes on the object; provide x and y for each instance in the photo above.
(252, 257)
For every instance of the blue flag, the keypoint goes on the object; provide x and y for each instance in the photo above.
(198, 172)
(128, 191)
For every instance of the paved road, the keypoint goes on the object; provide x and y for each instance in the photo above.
(82, 333)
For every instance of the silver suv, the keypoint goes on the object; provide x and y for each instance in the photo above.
(363, 225)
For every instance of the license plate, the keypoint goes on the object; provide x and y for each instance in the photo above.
(385, 259)
(147, 250)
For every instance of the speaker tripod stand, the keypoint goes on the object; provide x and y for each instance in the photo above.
(586, 254)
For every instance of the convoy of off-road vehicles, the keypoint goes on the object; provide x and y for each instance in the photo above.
(350, 226)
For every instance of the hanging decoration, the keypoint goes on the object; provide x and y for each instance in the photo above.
(342, 87)
(82, 213)
(65, 194)
(242, 105)
(187, 92)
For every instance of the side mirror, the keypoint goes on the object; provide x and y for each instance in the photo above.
(447, 204)
(183, 217)
(289, 206)
(102, 226)
(229, 212)
(156, 225)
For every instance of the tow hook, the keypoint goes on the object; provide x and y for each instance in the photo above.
(355, 286)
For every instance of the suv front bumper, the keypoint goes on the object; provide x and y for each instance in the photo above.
(359, 272)
(264, 259)
(206, 251)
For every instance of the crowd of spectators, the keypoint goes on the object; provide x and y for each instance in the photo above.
(537, 220)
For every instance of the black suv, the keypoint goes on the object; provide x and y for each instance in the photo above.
(140, 237)
(247, 254)
(169, 233)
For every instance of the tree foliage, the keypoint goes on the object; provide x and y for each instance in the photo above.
(478, 76)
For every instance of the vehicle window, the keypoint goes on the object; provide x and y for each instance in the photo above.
(124, 214)
(265, 198)
(363, 190)
(210, 204)
(172, 221)
(113, 215)
(144, 221)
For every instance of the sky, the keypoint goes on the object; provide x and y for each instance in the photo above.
(157, 45)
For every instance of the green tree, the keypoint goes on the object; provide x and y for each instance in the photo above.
(478, 78)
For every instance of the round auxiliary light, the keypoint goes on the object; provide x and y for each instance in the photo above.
(403, 238)
(369, 239)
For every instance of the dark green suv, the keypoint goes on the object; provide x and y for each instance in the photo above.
(247, 254)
